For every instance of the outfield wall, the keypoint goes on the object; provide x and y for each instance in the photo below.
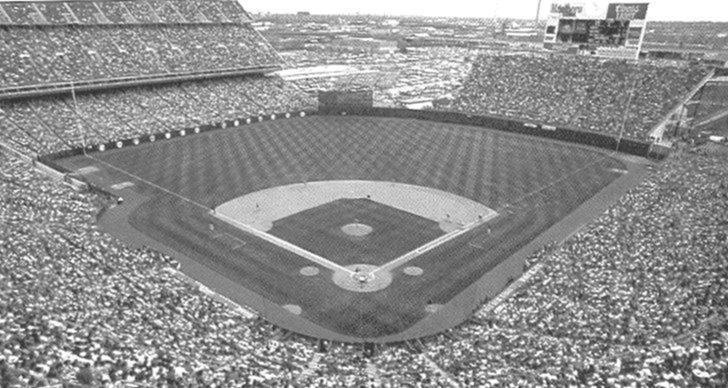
(594, 139)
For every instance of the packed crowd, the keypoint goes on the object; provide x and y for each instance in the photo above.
(121, 12)
(45, 55)
(639, 297)
(609, 96)
(52, 124)
(76, 305)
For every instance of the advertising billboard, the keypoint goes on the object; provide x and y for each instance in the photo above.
(627, 11)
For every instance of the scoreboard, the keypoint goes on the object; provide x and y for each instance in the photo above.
(597, 28)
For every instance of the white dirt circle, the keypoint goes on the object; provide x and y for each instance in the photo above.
(309, 271)
(356, 229)
(413, 271)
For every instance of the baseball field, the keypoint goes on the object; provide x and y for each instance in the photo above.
(345, 227)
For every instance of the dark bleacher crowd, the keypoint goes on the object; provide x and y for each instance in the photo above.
(639, 297)
(55, 123)
(581, 93)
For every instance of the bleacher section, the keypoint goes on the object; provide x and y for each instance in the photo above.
(51, 57)
(122, 12)
(55, 46)
(636, 298)
(51, 124)
(575, 92)
(81, 73)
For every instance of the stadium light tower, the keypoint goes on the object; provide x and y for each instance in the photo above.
(538, 10)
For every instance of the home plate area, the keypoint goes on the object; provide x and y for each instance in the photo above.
(363, 231)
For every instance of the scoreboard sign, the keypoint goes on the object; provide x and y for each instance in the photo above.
(627, 11)
(598, 28)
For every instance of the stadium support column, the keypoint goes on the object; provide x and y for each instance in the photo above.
(79, 125)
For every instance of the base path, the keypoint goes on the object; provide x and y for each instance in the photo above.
(261, 208)
(407, 257)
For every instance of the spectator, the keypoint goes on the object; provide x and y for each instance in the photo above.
(582, 93)
(53, 124)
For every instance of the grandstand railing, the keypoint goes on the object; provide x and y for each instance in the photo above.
(713, 118)
(129, 24)
(29, 91)
(721, 72)
(658, 131)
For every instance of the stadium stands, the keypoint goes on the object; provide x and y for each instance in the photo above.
(638, 297)
(49, 45)
(580, 93)
(52, 55)
(44, 125)
(85, 12)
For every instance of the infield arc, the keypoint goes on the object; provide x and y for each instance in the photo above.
(262, 208)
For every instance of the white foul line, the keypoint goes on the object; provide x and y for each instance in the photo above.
(268, 237)
(433, 244)
(284, 244)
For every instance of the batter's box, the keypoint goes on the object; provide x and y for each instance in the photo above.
(229, 241)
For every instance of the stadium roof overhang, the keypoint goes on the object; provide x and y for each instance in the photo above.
(325, 71)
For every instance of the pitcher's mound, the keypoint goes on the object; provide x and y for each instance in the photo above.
(356, 230)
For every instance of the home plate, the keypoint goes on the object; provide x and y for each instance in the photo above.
(122, 185)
